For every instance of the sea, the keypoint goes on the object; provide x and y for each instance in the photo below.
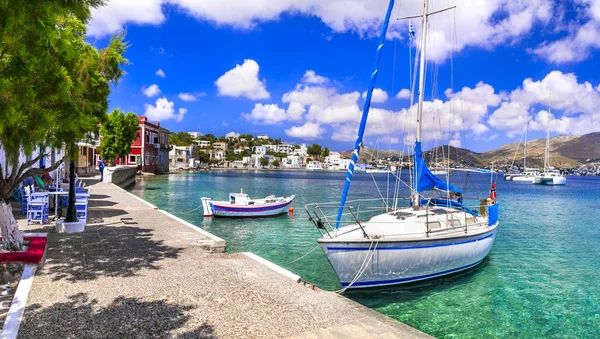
(540, 280)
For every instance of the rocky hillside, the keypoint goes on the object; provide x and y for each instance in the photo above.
(566, 151)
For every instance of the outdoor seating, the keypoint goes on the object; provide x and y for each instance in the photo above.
(37, 207)
(81, 204)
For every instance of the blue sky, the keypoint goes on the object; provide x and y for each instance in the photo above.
(296, 69)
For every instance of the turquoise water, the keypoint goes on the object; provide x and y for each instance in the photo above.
(541, 279)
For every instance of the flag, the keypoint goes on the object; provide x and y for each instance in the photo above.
(493, 192)
(411, 31)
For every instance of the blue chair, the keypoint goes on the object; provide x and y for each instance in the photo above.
(37, 208)
(23, 201)
(81, 204)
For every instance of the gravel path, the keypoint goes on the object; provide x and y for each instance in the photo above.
(136, 273)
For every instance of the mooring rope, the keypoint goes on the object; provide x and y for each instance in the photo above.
(192, 210)
(309, 252)
(362, 268)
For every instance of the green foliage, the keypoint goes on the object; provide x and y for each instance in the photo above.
(264, 162)
(203, 157)
(314, 150)
(180, 139)
(325, 152)
(54, 85)
(118, 132)
(209, 137)
(248, 137)
(276, 163)
(309, 159)
(277, 154)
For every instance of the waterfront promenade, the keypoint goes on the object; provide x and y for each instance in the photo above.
(136, 272)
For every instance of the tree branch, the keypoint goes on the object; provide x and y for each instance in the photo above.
(37, 171)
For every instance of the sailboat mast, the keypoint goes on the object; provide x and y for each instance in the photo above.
(525, 148)
(422, 70)
(547, 155)
(365, 114)
(417, 197)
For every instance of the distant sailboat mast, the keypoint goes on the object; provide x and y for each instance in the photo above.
(525, 149)
(547, 153)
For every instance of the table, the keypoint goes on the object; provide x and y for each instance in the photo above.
(63, 193)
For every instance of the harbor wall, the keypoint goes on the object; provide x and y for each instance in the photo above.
(121, 175)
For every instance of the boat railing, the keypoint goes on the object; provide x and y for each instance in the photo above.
(355, 212)
(359, 212)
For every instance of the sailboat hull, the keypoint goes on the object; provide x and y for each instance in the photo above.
(550, 181)
(406, 261)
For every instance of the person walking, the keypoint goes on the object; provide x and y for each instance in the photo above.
(101, 166)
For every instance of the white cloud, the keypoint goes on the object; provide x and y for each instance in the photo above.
(309, 131)
(583, 36)
(266, 114)
(243, 81)
(403, 94)
(224, 123)
(232, 135)
(483, 24)
(151, 91)
(161, 73)
(164, 110)
(325, 105)
(187, 96)
(310, 77)
(295, 111)
(378, 96)
(111, 18)
(577, 101)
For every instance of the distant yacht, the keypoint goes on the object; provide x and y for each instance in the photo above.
(528, 174)
(378, 170)
(549, 176)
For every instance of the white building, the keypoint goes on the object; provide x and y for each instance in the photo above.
(220, 145)
(264, 137)
(292, 161)
(314, 165)
(285, 148)
(179, 158)
(195, 135)
(203, 143)
(217, 154)
(302, 151)
(52, 156)
(262, 150)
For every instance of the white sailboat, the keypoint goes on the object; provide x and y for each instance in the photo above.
(434, 236)
(528, 174)
(550, 176)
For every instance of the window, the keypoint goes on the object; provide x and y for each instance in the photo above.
(132, 158)
(83, 150)
(147, 137)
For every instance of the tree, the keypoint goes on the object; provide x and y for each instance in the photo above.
(118, 132)
(54, 88)
(181, 139)
(325, 152)
(276, 163)
(203, 157)
(314, 150)
(264, 162)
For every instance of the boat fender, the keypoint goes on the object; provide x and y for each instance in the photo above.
(291, 211)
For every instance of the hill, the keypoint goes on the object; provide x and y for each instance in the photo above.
(566, 151)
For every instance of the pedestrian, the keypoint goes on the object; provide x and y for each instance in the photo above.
(101, 166)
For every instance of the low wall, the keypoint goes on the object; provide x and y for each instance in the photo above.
(120, 175)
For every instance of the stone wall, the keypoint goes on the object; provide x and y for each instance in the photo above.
(120, 175)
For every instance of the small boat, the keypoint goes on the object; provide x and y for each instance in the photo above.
(240, 205)
(378, 170)
(526, 176)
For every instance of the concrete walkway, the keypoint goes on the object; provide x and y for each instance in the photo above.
(137, 273)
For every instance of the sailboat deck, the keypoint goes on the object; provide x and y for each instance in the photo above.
(407, 224)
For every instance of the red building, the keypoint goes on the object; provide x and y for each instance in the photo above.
(150, 151)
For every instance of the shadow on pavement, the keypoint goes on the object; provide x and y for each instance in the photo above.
(122, 318)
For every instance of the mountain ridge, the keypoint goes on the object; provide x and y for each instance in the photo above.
(566, 151)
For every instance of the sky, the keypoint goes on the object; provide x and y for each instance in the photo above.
(298, 70)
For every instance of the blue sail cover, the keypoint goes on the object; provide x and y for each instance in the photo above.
(424, 179)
